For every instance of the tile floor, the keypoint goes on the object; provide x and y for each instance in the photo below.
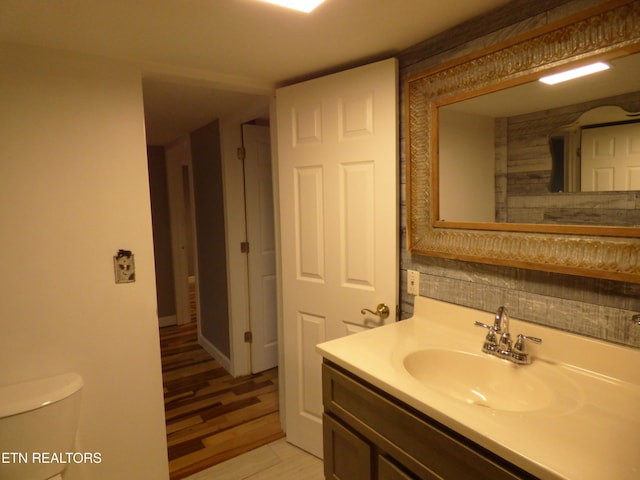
(278, 460)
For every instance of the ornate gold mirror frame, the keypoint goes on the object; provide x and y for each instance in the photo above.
(586, 251)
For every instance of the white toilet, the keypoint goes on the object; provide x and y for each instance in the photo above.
(38, 418)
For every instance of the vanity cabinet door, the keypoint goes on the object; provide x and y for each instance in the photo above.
(346, 455)
(421, 445)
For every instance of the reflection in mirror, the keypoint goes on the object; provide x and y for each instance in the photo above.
(495, 152)
(597, 153)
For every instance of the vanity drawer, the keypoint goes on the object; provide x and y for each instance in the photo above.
(417, 442)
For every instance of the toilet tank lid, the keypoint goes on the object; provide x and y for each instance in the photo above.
(26, 396)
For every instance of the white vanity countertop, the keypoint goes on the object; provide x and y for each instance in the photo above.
(593, 431)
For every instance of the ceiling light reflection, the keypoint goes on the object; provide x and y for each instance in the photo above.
(575, 73)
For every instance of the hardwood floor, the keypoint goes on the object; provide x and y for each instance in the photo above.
(211, 416)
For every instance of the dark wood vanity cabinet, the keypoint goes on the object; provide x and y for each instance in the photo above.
(370, 435)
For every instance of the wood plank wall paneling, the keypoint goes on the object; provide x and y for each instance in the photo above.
(211, 416)
(592, 307)
(514, 17)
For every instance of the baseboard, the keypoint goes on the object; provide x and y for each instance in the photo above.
(167, 321)
(222, 359)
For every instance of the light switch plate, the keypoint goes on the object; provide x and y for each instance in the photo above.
(413, 282)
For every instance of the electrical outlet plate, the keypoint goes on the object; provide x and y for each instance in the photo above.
(413, 282)
(124, 267)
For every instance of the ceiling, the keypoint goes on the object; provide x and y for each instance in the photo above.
(202, 59)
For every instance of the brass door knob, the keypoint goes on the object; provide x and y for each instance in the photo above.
(382, 311)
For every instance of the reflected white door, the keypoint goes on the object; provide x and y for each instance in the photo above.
(611, 158)
(261, 238)
(337, 169)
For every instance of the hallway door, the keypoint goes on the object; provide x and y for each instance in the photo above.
(611, 158)
(337, 167)
(261, 239)
(178, 162)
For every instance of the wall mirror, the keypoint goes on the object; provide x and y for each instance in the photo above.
(498, 168)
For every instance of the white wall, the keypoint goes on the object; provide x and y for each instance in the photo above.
(467, 167)
(73, 190)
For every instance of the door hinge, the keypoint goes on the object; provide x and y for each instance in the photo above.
(241, 152)
(244, 247)
(248, 337)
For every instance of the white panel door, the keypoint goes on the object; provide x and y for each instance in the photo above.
(611, 158)
(337, 169)
(178, 157)
(261, 238)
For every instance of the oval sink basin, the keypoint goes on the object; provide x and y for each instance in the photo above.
(483, 380)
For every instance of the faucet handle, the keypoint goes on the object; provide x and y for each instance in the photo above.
(484, 325)
(519, 353)
(530, 338)
(491, 341)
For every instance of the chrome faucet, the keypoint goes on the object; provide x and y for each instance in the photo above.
(498, 340)
(504, 343)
